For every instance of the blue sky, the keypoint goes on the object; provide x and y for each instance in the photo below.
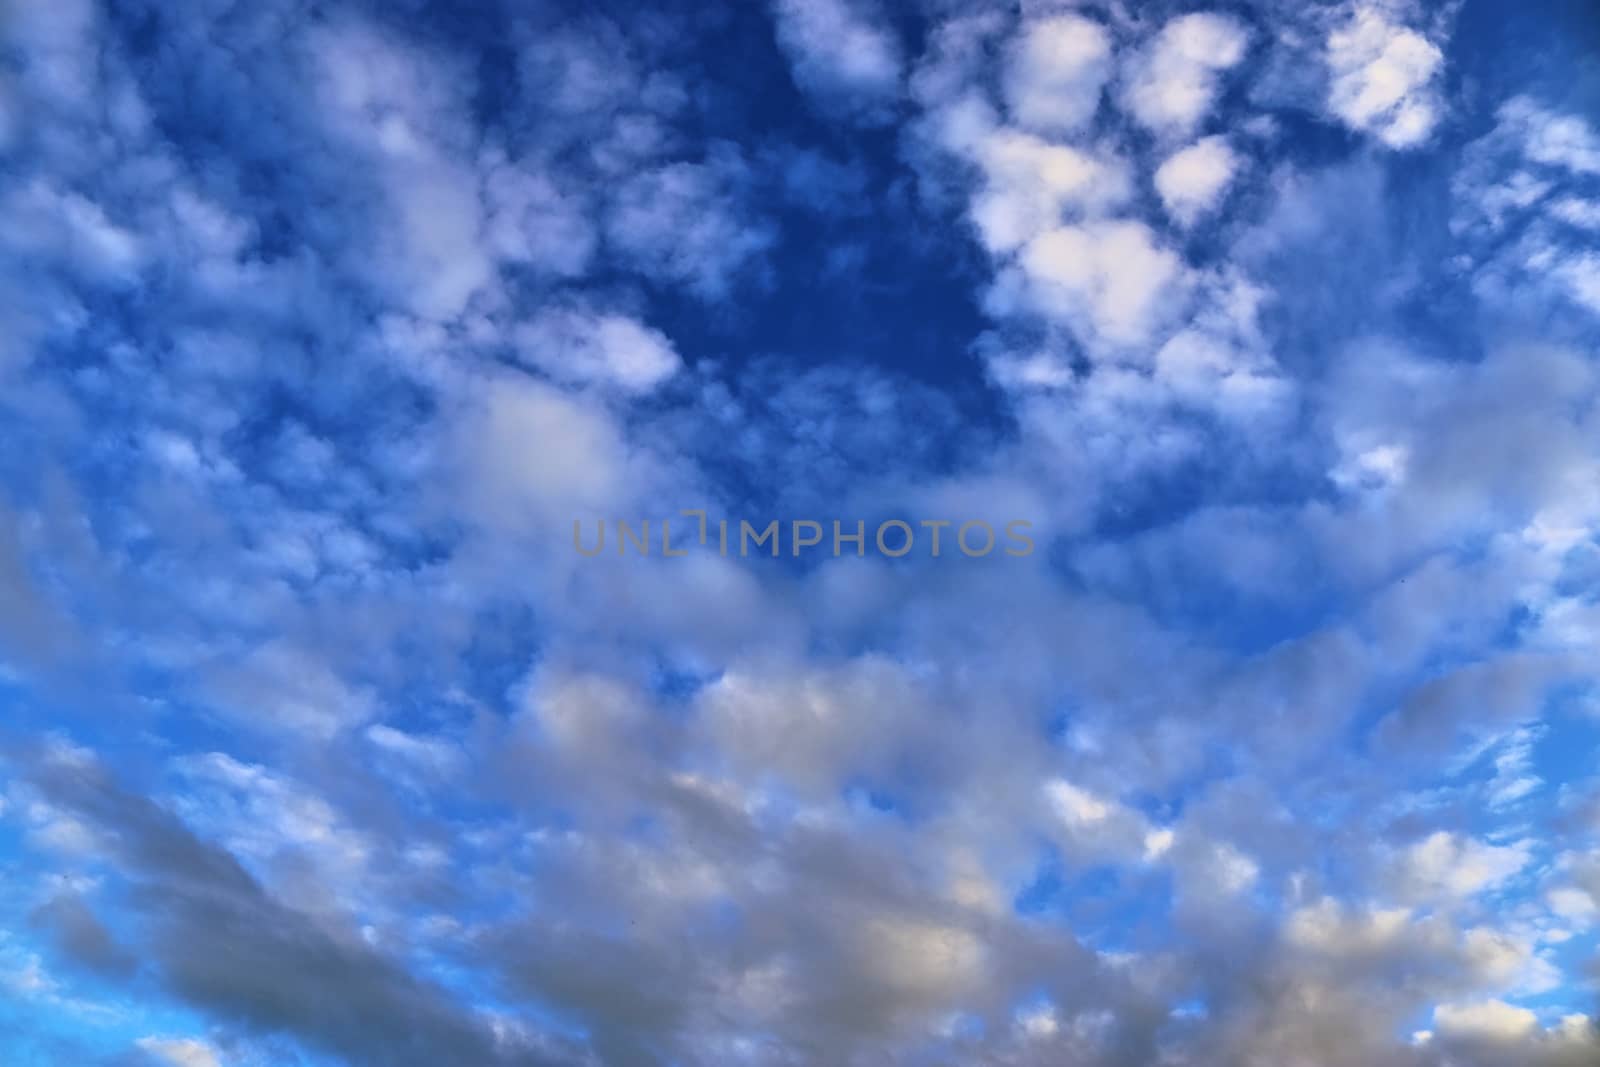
(321, 324)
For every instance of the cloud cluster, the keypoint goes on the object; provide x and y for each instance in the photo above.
(323, 746)
(1383, 78)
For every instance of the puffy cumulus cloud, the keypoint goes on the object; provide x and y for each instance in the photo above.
(1573, 904)
(598, 348)
(1491, 1020)
(1060, 207)
(1113, 282)
(1218, 362)
(1172, 85)
(844, 53)
(1495, 1033)
(1444, 866)
(1334, 930)
(1057, 72)
(906, 929)
(1031, 185)
(1094, 827)
(590, 469)
(1193, 180)
(1383, 78)
(818, 730)
(400, 108)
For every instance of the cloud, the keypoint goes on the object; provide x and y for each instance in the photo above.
(1518, 204)
(1173, 83)
(682, 223)
(1097, 829)
(1056, 73)
(605, 349)
(533, 219)
(1031, 184)
(1111, 281)
(393, 105)
(843, 54)
(180, 1051)
(319, 335)
(82, 937)
(1444, 866)
(1383, 78)
(1490, 1020)
(221, 943)
(279, 686)
(431, 757)
(67, 225)
(1193, 180)
(592, 468)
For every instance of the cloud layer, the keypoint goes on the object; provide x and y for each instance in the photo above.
(323, 745)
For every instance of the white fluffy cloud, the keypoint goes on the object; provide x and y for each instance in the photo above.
(1192, 180)
(1112, 281)
(1032, 185)
(1491, 1020)
(1173, 85)
(573, 345)
(1059, 67)
(1568, 142)
(435, 259)
(1097, 829)
(1383, 79)
(842, 53)
(1446, 866)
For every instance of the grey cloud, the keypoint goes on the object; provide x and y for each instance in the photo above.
(220, 942)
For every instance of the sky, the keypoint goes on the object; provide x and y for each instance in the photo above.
(325, 327)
